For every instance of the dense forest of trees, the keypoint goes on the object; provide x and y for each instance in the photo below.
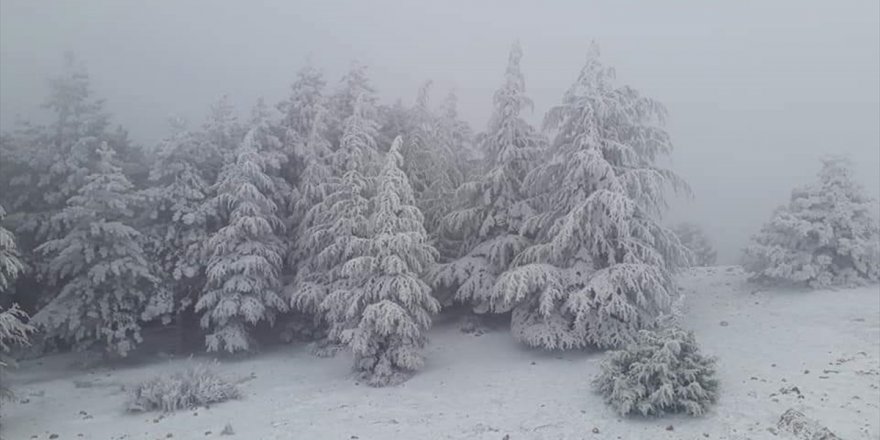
(346, 221)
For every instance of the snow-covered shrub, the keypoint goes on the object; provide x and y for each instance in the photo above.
(660, 372)
(13, 332)
(196, 386)
(825, 236)
(694, 238)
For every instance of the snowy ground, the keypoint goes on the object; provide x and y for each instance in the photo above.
(824, 343)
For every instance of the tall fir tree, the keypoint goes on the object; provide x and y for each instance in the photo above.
(105, 285)
(826, 236)
(334, 228)
(181, 220)
(355, 86)
(601, 265)
(222, 132)
(305, 102)
(44, 165)
(429, 160)
(380, 306)
(491, 209)
(246, 255)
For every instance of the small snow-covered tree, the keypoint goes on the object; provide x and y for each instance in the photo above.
(660, 372)
(491, 208)
(105, 285)
(825, 236)
(600, 268)
(380, 306)
(694, 238)
(333, 228)
(244, 267)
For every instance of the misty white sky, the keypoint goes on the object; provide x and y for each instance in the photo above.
(757, 91)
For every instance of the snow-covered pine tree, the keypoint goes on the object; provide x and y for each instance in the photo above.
(694, 238)
(181, 220)
(317, 178)
(825, 236)
(102, 274)
(222, 132)
(44, 165)
(302, 107)
(333, 230)
(14, 331)
(13, 328)
(601, 265)
(430, 161)
(660, 372)
(10, 259)
(355, 86)
(246, 254)
(491, 208)
(457, 137)
(380, 306)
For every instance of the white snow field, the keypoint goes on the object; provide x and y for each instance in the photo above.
(817, 351)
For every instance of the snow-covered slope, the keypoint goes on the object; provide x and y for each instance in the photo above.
(824, 343)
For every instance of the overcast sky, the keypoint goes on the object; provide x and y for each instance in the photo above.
(757, 91)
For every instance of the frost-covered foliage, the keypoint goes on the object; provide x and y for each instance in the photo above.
(302, 107)
(13, 328)
(244, 268)
(104, 283)
(181, 220)
(14, 331)
(196, 386)
(434, 156)
(488, 217)
(660, 372)
(694, 238)
(601, 264)
(222, 132)
(338, 222)
(10, 259)
(380, 306)
(355, 86)
(825, 236)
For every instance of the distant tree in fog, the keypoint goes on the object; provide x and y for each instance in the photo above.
(825, 236)
(694, 238)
